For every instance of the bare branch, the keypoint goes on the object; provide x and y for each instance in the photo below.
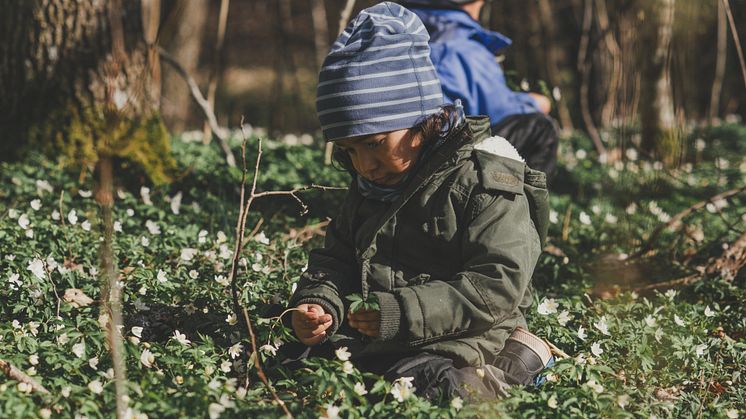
(203, 104)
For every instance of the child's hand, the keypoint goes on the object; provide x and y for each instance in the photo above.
(366, 321)
(310, 325)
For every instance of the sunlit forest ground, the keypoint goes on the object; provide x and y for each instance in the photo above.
(634, 351)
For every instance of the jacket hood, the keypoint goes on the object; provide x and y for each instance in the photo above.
(448, 24)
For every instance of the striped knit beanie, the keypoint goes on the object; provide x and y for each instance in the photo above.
(378, 76)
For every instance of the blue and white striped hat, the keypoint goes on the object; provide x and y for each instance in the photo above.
(378, 76)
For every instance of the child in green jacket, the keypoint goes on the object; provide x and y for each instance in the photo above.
(442, 225)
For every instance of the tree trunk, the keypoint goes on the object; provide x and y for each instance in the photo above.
(608, 112)
(722, 53)
(552, 60)
(657, 120)
(584, 67)
(182, 38)
(217, 59)
(73, 89)
(320, 30)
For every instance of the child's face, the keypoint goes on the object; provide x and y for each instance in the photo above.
(385, 157)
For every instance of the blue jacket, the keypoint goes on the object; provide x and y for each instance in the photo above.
(463, 53)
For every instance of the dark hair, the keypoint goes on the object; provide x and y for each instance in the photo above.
(432, 128)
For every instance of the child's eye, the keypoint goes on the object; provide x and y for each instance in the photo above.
(375, 144)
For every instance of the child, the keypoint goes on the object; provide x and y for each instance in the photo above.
(442, 226)
(463, 53)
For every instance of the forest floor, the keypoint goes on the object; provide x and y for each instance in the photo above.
(617, 231)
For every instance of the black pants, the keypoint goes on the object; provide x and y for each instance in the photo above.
(435, 376)
(535, 136)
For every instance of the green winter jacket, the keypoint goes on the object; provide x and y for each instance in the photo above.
(450, 260)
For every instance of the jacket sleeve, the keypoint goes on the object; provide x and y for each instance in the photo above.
(330, 275)
(500, 248)
(469, 72)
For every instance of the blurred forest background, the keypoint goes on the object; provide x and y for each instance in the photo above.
(596, 52)
(605, 62)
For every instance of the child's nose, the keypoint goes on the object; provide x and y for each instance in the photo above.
(367, 165)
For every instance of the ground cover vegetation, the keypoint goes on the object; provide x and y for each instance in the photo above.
(632, 350)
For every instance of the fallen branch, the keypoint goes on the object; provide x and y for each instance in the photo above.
(206, 107)
(15, 374)
(258, 365)
(678, 282)
(676, 219)
(731, 261)
(726, 266)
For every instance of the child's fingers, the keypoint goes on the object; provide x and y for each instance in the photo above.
(321, 328)
(312, 319)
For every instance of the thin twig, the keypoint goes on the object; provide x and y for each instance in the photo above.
(54, 286)
(258, 365)
(557, 351)
(207, 109)
(566, 223)
(676, 219)
(64, 230)
(15, 374)
(256, 228)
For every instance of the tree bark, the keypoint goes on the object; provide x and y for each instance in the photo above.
(74, 90)
(320, 30)
(722, 53)
(217, 58)
(608, 111)
(183, 33)
(657, 120)
(552, 60)
(584, 66)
